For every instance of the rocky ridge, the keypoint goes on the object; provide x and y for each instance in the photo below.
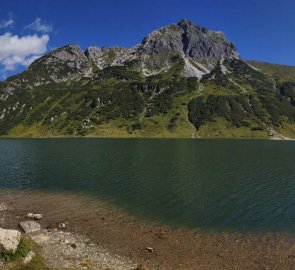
(200, 48)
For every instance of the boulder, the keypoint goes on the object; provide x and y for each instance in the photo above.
(30, 226)
(3, 207)
(9, 240)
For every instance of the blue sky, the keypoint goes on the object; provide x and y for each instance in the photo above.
(261, 29)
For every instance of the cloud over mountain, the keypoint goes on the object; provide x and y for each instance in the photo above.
(15, 50)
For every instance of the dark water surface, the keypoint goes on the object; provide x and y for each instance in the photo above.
(239, 185)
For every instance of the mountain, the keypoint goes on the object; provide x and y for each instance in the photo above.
(182, 80)
(280, 73)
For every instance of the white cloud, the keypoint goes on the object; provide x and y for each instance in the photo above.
(15, 50)
(40, 26)
(9, 22)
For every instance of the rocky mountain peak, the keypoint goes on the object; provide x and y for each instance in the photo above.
(72, 55)
(185, 24)
(199, 49)
(61, 64)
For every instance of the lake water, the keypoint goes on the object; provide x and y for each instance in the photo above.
(223, 185)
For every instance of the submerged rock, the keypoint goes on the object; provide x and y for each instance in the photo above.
(35, 216)
(61, 225)
(30, 226)
(3, 207)
(9, 240)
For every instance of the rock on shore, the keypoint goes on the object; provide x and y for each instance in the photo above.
(35, 216)
(30, 226)
(9, 240)
(3, 207)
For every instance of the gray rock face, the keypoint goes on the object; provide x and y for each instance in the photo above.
(202, 44)
(201, 49)
(104, 57)
(30, 226)
(70, 55)
(189, 41)
(9, 240)
(60, 65)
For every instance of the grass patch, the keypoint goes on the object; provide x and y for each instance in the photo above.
(281, 73)
(15, 261)
(221, 128)
(22, 251)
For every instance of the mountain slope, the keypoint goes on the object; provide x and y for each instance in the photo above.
(281, 73)
(180, 81)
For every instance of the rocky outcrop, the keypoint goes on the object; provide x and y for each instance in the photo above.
(104, 57)
(66, 63)
(9, 240)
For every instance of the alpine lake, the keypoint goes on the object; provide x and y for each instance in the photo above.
(219, 185)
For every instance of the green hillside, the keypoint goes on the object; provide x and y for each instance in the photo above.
(182, 81)
(280, 73)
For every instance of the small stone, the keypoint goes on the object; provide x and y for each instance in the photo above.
(30, 226)
(29, 257)
(3, 207)
(150, 249)
(67, 242)
(35, 216)
(61, 225)
(74, 245)
(9, 240)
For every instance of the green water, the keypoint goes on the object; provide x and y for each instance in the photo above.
(237, 185)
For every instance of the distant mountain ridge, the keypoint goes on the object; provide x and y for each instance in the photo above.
(182, 80)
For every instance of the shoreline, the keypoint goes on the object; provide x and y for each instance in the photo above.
(152, 138)
(128, 237)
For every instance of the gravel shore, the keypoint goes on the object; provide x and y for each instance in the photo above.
(99, 235)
